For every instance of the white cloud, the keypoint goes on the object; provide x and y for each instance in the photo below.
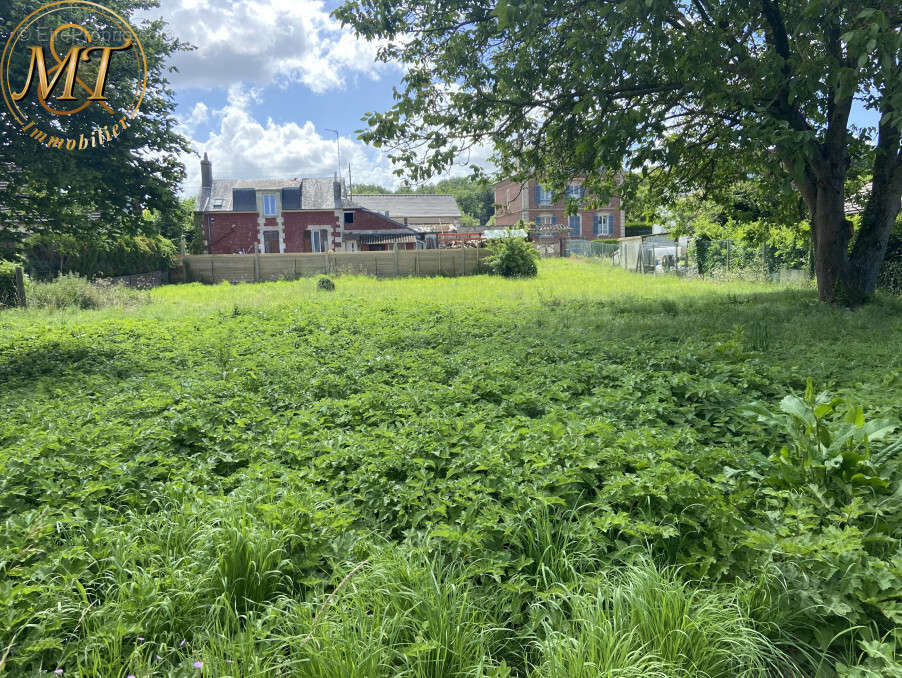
(266, 41)
(242, 147)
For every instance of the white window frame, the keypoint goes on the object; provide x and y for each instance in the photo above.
(319, 238)
(269, 199)
(605, 224)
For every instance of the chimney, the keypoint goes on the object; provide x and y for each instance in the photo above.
(336, 190)
(206, 173)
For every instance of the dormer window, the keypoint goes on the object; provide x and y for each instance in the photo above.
(269, 205)
(217, 203)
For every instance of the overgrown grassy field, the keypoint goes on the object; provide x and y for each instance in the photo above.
(592, 473)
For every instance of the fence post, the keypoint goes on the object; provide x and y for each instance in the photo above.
(20, 287)
(416, 261)
(395, 250)
(212, 272)
(729, 243)
(326, 264)
(256, 267)
(440, 261)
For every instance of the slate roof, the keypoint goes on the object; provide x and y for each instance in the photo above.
(410, 205)
(316, 194)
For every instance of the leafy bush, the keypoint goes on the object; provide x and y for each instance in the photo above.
(49, 254)
(513, 258)
(890, 279)
(73, 291)
(325, 284)
(9, 295)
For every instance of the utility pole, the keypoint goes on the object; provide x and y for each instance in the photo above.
(338, 144)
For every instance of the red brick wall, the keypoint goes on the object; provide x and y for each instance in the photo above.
(365, 221)
(297, 234)
(231, 232)
(503, 220)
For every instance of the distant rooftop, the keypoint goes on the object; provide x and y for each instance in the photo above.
(316, 194)
(401, 205)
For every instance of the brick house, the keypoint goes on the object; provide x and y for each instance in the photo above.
(290, 215)
(532, 203)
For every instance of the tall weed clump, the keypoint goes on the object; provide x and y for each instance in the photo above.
(73, 291)
(403, 614)
(647, 622)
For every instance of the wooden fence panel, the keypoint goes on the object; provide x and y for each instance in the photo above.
(216, 268)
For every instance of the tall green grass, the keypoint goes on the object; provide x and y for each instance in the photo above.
(71, 291)
(644, 621)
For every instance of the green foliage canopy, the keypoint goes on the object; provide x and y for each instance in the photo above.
(702, 88)
(104, 191)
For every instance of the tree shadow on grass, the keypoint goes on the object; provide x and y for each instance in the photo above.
(63, 362)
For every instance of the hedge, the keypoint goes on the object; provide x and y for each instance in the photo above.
(633, 229)
(8, 293)
(48, 255)
(890, 279)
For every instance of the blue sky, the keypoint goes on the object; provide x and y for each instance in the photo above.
(269, 77)
(266, 81)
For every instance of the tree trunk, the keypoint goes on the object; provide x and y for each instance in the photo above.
(870, 246)
(830, 234)
(878, 216)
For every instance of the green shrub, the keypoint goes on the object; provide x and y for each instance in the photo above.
(513, 258)
(637, 228)
(890, 279)
(73, 291)
(8, 294)
(49, 254)
(325, 284)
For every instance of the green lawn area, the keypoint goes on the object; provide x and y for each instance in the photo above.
(530, 478)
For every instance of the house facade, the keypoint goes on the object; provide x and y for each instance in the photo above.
(290, 215)
(534, 204)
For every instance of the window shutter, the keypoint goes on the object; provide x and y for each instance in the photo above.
(595, 224)
(291, 198)
(244, 200)
(538, 220)
(554, 220)
(538, 195)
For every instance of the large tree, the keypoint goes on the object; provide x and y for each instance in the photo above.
(567, 88)
(98, 192)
